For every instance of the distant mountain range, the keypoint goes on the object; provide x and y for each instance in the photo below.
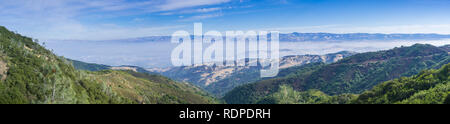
(300, 37)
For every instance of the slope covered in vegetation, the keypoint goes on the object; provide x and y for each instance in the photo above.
(287, 95)
(429, 87)
(353, 74)
(32, 74)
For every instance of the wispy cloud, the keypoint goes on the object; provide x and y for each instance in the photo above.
(179, 4)
(107, 19)
(205, 13)
(62, 19)
(201, 17)
(105, 32)
(190, 11)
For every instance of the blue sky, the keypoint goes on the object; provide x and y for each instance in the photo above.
(117, 19)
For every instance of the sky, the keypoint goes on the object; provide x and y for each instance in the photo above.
(121, 19)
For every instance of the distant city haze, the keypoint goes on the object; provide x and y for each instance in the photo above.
(116, 32)
(157, 54)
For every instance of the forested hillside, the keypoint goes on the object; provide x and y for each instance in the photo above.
(353, 74)
(429, 87)
(32, 74)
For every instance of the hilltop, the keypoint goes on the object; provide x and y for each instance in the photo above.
(32, 74)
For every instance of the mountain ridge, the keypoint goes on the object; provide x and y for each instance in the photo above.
(301, 37)
(428, 87)
(221, 79)
(353, 74)
(31, 74)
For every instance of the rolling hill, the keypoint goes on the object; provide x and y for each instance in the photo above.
(219, 80)
(99, 67)
(429, 87)
(351, 75)
(31, 74)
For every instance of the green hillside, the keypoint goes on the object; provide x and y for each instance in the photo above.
(352, 75)
(144, 88)
(287, 95)
(32, 74)
(429, 87)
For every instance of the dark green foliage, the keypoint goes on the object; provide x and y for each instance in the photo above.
(363, 71)
(36, 75)
(429, 87)
(287, 95)
(447, 100)
(245, 94)
(353, 74)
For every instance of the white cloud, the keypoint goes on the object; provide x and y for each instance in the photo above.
(201, 17)
(190, 11)
(61, 19)
(103, 32)
(179, 4)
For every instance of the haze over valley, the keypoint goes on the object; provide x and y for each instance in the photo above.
(156, 52)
